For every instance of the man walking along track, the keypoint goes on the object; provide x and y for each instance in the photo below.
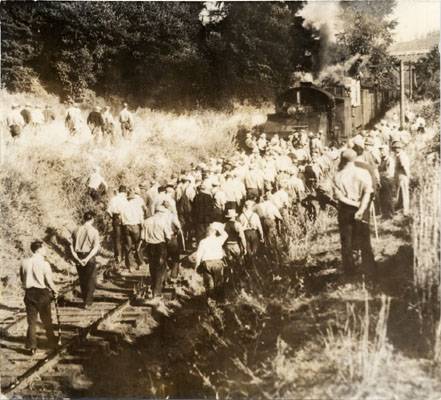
(209, 258)
(353, 189)
(36, 277)
(84, 247)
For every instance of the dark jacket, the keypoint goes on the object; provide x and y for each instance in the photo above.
(203, 208)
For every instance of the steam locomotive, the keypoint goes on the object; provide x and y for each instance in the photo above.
(339, 112)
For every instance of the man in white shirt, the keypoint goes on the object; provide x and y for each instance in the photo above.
(73, 119)
(36, 277)
(156, 233)
(132, 217)
(126, 121)
(84, 247)
(97, 184)
(220, 200)
(109, 125)
(209, 257)
(267, 212)
(353, 188)
(115, 208)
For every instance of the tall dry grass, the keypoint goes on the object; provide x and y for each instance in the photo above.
(358, 355)
(426, 231)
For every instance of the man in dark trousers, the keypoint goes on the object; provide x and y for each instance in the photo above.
(203, 211)
(353, 189)
(36, 277)
(116, 206)
(156, 233)
(84, 247)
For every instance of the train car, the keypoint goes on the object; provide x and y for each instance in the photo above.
(339, 112)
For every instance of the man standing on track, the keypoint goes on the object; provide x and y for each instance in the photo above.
(209, 257)
(252, 227)
(84, 247)
(156, 233)
(36, 277)
(116, 206)
(353, 189)
(132, 217)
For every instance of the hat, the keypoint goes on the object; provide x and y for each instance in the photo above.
(348, 155)
(15, 105)
(397, 144)
(358, 141)
(231, 213)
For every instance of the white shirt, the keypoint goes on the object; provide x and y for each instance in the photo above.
(15, 118)
(133, 211)
(125, 116)
(280, 199)
(96, 180)
(267, 209)
(211, 248)
(351, 183)
(36, 272)
(220, 199)
(117, 204)
(74, 113)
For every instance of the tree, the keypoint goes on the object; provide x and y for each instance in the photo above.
(368, 31)
(255, 47)
(427, 71)
(160, 54)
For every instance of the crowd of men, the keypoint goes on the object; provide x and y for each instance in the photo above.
(228, 212)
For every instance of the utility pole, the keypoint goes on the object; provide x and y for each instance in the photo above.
(402, 94)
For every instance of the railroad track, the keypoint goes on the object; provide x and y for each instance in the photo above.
(20, 369)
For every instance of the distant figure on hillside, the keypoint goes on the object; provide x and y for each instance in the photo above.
(36, 277)
(26, 113)
(49, 114)
(73, 119)
(95, 122)
(126, 121)
(15, 121)
(84, 247)
(109, 125)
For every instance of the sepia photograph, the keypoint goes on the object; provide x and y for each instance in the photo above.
(220, 200)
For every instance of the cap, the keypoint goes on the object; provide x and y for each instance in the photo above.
(358, 141)
(348, 155)
(397, 145)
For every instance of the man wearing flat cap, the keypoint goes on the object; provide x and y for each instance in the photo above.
(353, 189)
